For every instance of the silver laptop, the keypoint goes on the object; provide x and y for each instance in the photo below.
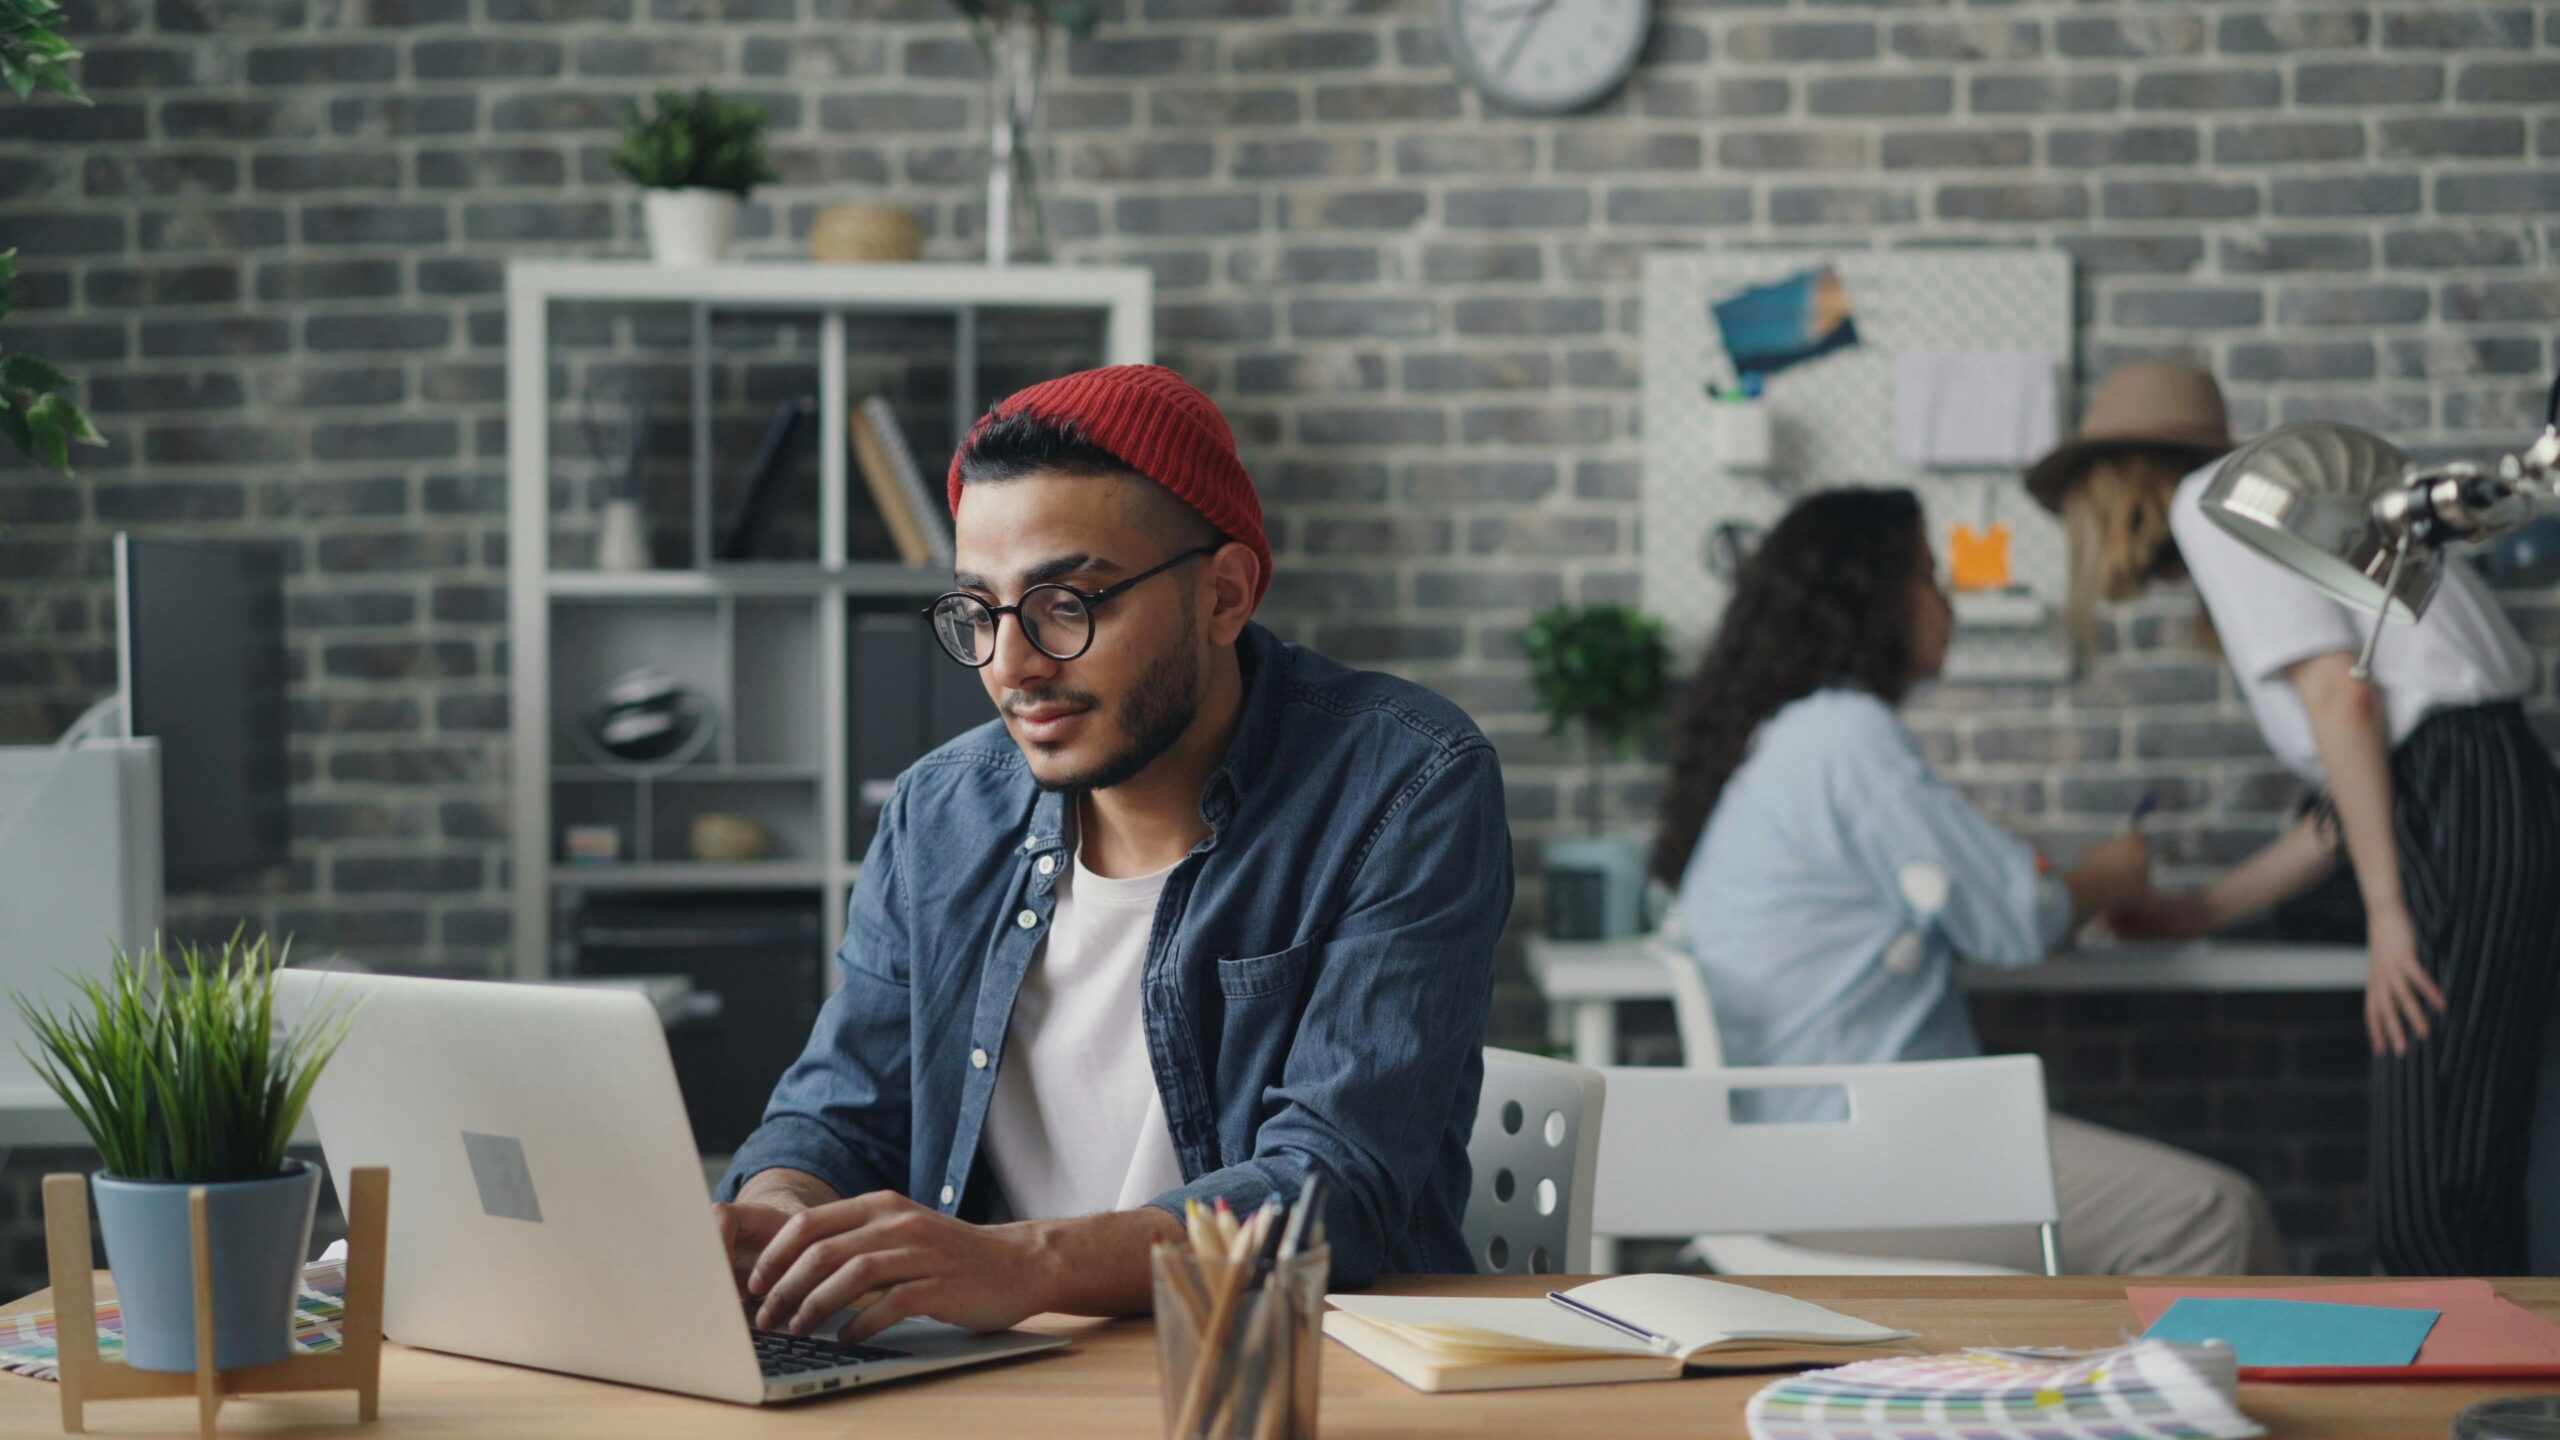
(547, 1205)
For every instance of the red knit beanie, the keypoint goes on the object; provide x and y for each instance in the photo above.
(1157, 424)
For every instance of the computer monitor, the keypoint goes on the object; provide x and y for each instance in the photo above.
(200, 656)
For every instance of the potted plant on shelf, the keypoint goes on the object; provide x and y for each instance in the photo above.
(180, 1076)
(1600, 667)
(697, 156)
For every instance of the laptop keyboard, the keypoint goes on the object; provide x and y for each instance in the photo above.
(786, 1354)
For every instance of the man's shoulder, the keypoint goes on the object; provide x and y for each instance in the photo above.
(1321, 697)
(978, 764)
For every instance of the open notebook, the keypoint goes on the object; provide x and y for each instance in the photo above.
(1440, 1344)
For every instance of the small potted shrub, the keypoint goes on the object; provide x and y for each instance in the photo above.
(177, 1070)
(697, 156)
(1601, 668)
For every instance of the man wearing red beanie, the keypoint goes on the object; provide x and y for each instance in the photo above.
(1200, 916)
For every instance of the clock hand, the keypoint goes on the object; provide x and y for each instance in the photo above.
(1520, 38)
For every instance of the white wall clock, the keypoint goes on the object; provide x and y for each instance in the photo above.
(1546, 56)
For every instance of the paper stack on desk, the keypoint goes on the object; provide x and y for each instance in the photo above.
(2151, 1388)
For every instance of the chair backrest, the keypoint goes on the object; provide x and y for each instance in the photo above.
(1694, 1014)
(1534, 1150)
(1923, 1143)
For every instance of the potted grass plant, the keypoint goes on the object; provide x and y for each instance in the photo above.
(1598, 668)
(697, 157)
(175, 1066)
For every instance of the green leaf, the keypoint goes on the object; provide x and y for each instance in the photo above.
(26, 372)
(58, 80)
(49, 432)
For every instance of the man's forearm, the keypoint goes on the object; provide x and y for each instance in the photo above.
(1097, 1264)
(785, 1189)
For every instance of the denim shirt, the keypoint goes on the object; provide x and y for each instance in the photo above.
(1315, 986)
(1800, 906)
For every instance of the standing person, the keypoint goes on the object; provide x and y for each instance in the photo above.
(2447, 805)
(1830, 881)
(1199, 915)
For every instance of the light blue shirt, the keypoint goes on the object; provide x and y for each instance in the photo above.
(1838, 882)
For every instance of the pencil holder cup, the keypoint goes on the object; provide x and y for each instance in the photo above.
(1239, 1345)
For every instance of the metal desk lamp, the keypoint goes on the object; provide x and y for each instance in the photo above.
(2345, 509)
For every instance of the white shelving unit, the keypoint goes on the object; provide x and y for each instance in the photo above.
(771, 642)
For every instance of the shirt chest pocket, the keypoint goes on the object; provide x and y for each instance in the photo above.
(1260, 977)
(1261, 998)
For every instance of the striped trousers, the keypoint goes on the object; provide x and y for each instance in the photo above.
(2476, 812)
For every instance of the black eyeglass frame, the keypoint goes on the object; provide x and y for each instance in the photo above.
(1091, 600)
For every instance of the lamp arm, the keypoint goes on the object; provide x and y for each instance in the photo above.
(2463, 502)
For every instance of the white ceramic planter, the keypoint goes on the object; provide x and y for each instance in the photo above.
(689, 227)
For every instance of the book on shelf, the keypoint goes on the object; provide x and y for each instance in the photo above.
(737, 541)
(873, 457)
(927, 506)
(1629, 1327)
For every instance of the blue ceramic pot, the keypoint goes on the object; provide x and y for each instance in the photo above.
(259, 1232)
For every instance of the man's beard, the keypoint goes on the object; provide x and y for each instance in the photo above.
(1160, 708)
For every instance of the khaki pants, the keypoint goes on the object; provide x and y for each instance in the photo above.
(2130, 1206)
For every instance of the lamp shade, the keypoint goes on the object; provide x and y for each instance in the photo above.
(2302, 495)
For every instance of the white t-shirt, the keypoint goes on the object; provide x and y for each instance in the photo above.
(1076, 1126)
(2461, 653)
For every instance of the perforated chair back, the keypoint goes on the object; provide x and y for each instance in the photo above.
(1919, 1144)
(1535, 1151)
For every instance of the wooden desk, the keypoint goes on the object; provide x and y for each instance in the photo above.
(1105, 1385)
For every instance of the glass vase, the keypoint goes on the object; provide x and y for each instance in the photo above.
(1017, 52)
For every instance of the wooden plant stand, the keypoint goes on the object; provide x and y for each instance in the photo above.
(88, 1376)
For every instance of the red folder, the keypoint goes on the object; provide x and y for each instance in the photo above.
(2478, 1336)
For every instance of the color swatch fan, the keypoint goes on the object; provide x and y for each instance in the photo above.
(2150, 1389)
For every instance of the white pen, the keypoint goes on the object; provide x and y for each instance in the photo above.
(1658, 1344)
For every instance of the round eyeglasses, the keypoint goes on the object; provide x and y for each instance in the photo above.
(1057, 619)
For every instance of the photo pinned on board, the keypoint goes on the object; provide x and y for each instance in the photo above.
(1769, 328)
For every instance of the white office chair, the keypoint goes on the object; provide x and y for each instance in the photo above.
(1702, 1049)
(1534, 1151)
(1926, 1143)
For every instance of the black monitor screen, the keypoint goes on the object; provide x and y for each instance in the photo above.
(204, 674)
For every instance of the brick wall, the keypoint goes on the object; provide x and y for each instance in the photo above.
(272, 251)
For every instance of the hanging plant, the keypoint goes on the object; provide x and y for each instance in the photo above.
(37, 413)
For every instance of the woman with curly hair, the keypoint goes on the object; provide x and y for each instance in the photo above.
(1829, 880)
